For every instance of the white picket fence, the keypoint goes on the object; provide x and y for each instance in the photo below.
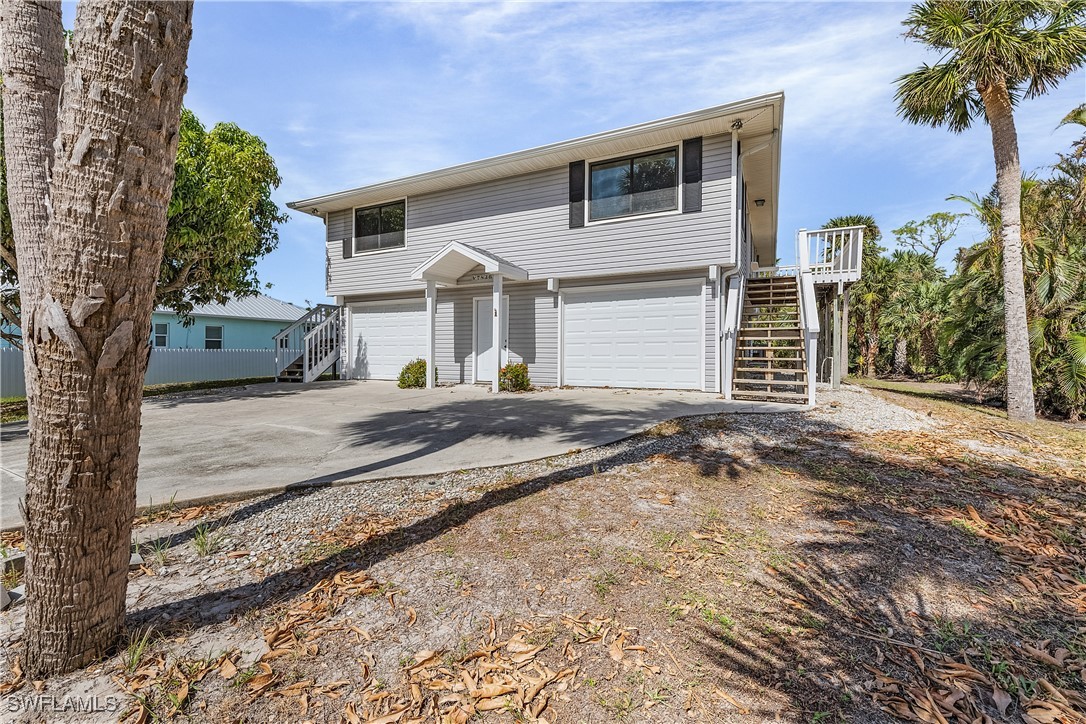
(166, 365)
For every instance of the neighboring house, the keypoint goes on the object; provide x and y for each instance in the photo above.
(640, 257)
(245, 323)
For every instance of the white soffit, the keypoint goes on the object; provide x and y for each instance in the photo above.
(759, 116)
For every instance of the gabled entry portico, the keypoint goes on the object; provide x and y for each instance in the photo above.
(446, 268)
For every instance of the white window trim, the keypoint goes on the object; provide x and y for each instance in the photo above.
(155, 335)
(354, 239)
(222, 336)
(677, 147)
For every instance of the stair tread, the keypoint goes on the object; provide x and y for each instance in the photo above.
(770, 370)
(769, 383)
(777, 395)
(742, 332)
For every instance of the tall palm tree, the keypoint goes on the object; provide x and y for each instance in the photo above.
(993, 54)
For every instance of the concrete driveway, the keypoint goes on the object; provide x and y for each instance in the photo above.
(270, 437)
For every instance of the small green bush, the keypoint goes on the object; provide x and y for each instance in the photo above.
(514, 378)
(413, 374)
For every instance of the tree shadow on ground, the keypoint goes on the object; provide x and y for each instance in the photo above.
(424, 432)
(943, 392)
(871, 561)
(867, 562)
(417, 433)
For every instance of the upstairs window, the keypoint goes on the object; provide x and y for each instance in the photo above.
(213, 337)
(379, 227)
(162, 334)
(642, 184)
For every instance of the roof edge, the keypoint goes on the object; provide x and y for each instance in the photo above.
(776, 97)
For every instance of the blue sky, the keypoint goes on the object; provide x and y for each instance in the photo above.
(347, 94)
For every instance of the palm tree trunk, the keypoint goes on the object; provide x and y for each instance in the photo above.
(872, 343)
(901, 356)
(110, 187)
(32, 66)
(997, 106)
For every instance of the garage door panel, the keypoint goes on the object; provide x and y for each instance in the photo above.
(385, 337)
(647, 337)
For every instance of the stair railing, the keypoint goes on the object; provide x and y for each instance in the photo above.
(733, 313)
(322, 345)
(290, 343)
(808, 308)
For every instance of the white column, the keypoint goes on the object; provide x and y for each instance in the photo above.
(844, 334)
(835, 347)
(498, 341)
(431, 331)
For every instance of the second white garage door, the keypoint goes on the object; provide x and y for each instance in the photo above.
(633, 337)
(384, 337)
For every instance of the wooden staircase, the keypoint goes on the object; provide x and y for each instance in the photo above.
(770, 353)
(310, 346)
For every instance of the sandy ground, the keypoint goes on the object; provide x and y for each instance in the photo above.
(884, 556)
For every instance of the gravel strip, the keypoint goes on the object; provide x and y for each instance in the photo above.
(280, 525)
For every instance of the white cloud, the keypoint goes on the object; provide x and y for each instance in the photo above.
(461, 81)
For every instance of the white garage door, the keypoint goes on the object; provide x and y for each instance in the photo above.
(639, 337)
(384, 337)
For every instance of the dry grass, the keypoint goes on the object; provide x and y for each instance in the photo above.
(830, 577)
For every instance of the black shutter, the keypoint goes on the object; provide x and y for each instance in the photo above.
(576, 194)
(691, 175)
(348, 247)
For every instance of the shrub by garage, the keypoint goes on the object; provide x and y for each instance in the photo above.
(413, 374)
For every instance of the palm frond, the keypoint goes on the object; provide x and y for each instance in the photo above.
(938, 95)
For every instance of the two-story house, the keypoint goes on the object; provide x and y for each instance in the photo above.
(639, 257)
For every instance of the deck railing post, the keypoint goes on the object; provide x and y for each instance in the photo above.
(803, 252)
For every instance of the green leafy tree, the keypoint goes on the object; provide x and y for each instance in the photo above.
(993, 54)
(221, 222)
(9, 280)
(930, 234)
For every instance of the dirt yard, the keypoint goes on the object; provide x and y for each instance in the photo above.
(887, 556)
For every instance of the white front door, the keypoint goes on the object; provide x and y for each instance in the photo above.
(484, 337)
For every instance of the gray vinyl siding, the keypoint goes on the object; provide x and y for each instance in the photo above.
(533, 331)
(533, 325)
(452, 337)
(525, 220)
(709, 292)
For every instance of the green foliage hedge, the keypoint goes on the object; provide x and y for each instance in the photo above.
(413, 374)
